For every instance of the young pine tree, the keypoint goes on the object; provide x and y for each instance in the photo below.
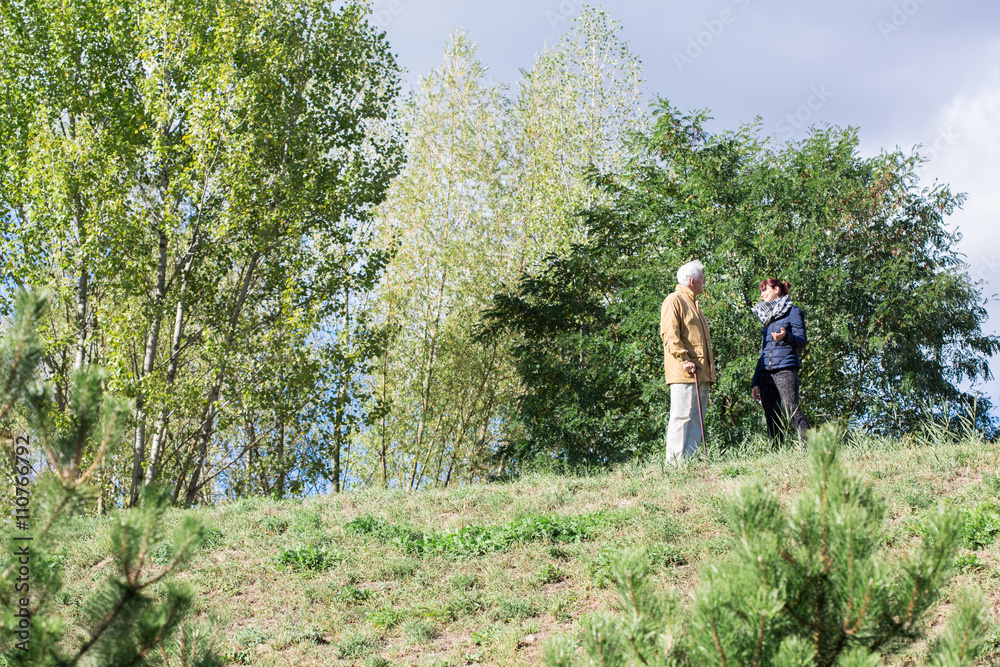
(124, 622)
(805, 586)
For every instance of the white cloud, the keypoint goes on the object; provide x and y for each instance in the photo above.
(967, 157)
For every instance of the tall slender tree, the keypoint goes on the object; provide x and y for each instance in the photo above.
(493, 184)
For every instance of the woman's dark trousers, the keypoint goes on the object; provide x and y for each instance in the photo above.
(779, 394)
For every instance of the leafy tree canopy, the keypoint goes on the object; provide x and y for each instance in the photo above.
(894, 320)
(193, 182)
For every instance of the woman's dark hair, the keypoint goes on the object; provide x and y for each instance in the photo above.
(774, 282)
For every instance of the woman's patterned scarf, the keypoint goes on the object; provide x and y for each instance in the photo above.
(769, 311)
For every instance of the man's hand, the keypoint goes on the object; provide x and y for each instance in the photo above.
(756, 393)
(779, 335)
(690, 367)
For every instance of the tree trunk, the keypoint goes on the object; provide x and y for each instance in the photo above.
(425, 389)
(208, 414)
(384, 448)
(281, 456)
(83, 284)
(156, 449)
(81, 317)
(148, 361)
(204, 435)
(337, 422)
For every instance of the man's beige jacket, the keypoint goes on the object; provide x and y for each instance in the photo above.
(684, 332)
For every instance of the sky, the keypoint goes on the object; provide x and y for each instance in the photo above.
(905, 72)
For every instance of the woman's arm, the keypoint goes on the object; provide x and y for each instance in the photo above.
(756, 372)
(797, 336)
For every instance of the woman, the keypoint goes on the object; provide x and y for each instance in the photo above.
(776, 379)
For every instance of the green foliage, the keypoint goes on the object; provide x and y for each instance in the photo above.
(601, 567)
(494, 179)
(549, 574)
(982, 525)
(806, 585)
(353, 595)
(274, 525)
(247, 640)
(195, 181)
(665, 555)
(969, 563)
(478, 540)
(356, 646)
(419, 631)
(558, 651)
(992, 483)
(400, 569)
(163, 552)
(585, 322)
(385, 619)
(515, 610)
(20, 349)
(310, 557)
(464, 582)
(558, 552)
(383, 531)
(965, 635)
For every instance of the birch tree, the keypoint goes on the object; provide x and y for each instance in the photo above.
(493, 183)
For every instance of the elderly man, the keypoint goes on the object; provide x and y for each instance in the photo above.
(687, 357)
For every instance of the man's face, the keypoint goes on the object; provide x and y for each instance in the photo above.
(697, 285)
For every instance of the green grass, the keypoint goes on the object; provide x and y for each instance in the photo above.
(484, 574)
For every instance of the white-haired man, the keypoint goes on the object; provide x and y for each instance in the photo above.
(687, 358)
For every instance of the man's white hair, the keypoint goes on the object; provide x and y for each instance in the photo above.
(689, 272)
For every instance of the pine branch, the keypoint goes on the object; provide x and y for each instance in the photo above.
(130, 592)
(718, 644)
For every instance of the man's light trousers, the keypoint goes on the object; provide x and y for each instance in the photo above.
(684, 428)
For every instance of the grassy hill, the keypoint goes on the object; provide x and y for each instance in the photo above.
(485, 573)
